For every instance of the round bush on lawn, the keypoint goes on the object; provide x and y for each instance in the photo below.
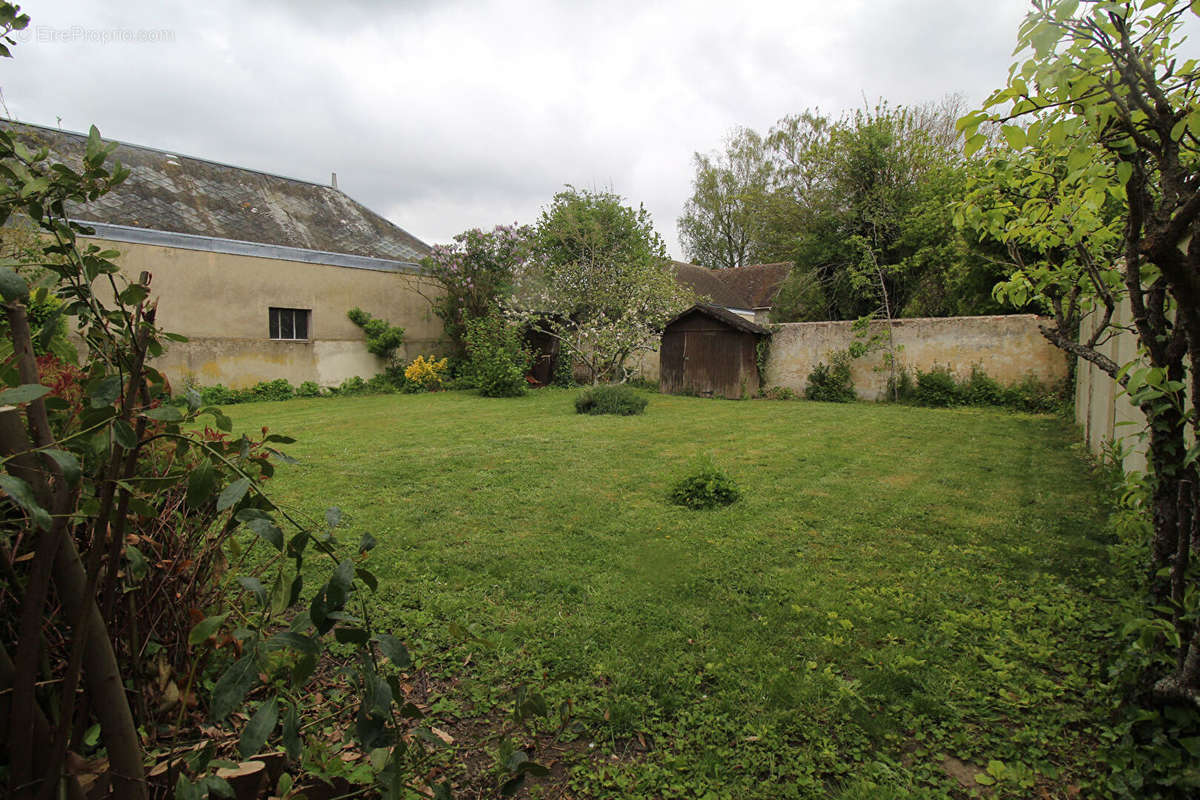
(610, 400)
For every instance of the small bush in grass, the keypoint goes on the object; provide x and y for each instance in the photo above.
(278, 389)
(308, 389)
(705, 486)
(937, 388)
(619, 400)
(832, 383)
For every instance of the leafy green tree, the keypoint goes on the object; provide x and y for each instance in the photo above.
(1103, 110)
(865, 228)
(599, 282)
(720, 226)
(476, 274)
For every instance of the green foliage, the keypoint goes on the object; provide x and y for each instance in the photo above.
(383, 338)
(848, 201)
(477, 275)
(938, 388)
(278, 389)
(619, 400)
(719, 226)
(780, 393)
(705, 486)
(832, 382)
(564, 371)
(308, 389)
(598, 283)
(498, 357)
(122, 488)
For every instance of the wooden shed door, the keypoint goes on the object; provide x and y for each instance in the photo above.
(711, 362)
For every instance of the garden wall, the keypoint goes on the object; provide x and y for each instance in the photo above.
(1008, 348)
(1102, 409)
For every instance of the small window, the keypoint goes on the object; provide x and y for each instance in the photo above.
(289, 323)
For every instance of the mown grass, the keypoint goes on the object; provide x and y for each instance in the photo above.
(896, 586)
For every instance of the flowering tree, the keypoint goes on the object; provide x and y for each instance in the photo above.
(1102, 123)
(476, 272)
(599, 282)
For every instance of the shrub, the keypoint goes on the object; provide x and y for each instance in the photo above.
(832, 383)
(644, 384)
(901, 387)
(383, 338)
(278, 389)
(780, 393)
(498, 357)
(564, 371)
(1034, 396)
(308, 389)
(705, 486)
(216, 395)
(937, 388)
(426, 374)
(982, 390)
(620, 400)
(355, 385)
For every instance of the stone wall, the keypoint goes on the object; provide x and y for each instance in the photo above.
(1008, 348)
(1102, 409)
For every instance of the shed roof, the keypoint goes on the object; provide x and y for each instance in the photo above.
(723, 315)
(196, 197)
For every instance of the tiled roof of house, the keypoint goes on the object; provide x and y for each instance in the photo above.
(757, 284)
(192, 196)
(741, 287)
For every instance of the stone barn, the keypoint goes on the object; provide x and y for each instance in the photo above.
(711, 352)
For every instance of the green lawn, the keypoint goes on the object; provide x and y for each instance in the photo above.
(896, 588)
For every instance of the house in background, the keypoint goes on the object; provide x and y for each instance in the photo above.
(257, 270)
(746, 291)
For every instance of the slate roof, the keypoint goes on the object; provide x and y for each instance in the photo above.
(749, 287)
(196, 197)
(722, 314)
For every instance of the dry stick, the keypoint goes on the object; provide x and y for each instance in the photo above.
(117, 536)
(39, 733)
(102, 675)
(37, 589)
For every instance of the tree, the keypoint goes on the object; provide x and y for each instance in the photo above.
(864, 193)
(476, 273)
(1110, 116)
(599, 281)
(720, 223)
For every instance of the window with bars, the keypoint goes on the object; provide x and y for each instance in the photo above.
(289, 323)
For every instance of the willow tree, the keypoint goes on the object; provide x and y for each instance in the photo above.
(1098, 198)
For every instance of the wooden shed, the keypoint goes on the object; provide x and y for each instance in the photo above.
(711, 352)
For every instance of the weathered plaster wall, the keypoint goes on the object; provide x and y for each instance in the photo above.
(1102, 409)
(1007, 347)
(220, 301)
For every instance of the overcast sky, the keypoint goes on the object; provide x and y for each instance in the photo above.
(448, 115)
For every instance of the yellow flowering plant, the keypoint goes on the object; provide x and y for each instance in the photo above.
(426, 372)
